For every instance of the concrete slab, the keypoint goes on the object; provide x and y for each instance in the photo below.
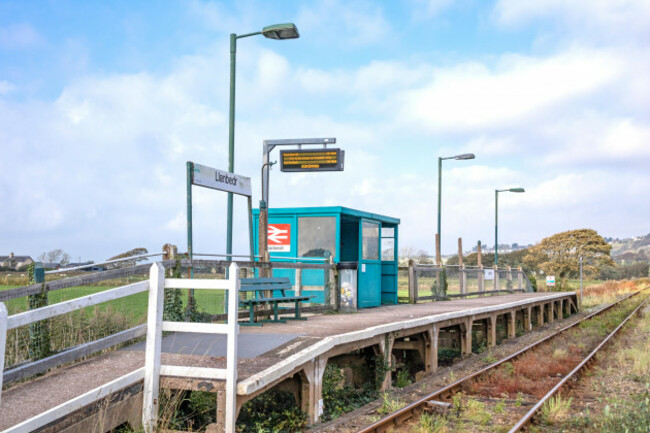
(248, 345)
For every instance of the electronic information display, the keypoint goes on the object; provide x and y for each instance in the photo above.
(312, 160)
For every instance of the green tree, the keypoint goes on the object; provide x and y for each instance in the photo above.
(560, 254)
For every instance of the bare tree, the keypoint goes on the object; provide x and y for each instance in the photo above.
(55, 256)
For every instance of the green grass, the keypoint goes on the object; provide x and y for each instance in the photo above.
(209, 301)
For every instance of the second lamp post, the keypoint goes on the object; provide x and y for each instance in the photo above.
(496, 220)
(440, 159)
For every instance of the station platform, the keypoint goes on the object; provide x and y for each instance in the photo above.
(292, 354)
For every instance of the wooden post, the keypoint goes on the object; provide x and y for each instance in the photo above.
(461, 267)
(512, 324)
(466, 336)
(540, 316)
(413, 282)
(438, 256)
(520, 278)
(492, 330)
(528, 322)
(3, 341)
(231, 349)
(153, 347)
(327, 285)
(39, 332)
(313, 401)
(496, 287)
(298, 286)
(480, 276)
(431, 362)
(509, 279)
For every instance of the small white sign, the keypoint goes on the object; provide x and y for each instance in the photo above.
(489, 274)
(550, 280)
(221, 180)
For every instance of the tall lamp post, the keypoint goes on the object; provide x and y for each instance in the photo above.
(440, 159)
(496, 220)
(277, 31)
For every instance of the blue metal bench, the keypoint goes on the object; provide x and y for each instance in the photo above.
(258, 286)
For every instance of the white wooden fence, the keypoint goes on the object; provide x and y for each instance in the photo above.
(153, 369)
(155, 327)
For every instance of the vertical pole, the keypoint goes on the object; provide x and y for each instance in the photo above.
(439, 208)
(496, 227)
(153, 346)
(250, 229)
(3, 341)
(39, 332)
(231, 137)
(231, 349)
(190, 179)
(412, 287)
(581, 282)
(461, 267)
(480, 276)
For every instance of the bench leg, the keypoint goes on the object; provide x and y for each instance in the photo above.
(275, 319)
(251, 318)
(297, 313)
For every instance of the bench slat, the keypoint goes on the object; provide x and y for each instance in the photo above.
(261, 287)
(264, 280)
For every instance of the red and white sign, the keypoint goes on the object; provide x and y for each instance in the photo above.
(280, 238)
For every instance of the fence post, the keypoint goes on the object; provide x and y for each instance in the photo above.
(3, 342)
(298, 287)
(231, 349)
(520, 278)
(39, 332)
(480, 276)
(413, 283)
(509, 279)
(327, 289)
(152, 351)
(461, 267)
(496, 279)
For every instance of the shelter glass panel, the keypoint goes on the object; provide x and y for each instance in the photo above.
(370, 236)
(316, 236)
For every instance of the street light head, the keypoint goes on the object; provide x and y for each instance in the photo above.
(281, 31)
(517, 190)
(465, 156)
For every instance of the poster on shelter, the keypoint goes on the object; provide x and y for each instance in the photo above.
(279, 238)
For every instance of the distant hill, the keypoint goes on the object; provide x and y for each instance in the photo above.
(630, 250)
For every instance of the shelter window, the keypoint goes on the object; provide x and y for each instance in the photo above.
(370, 233)
(387, 244)
(316, 236)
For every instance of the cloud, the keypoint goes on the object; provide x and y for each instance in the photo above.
(602, 20)
(477, 96)
(6, 87)
(347, 24)
(19, 36)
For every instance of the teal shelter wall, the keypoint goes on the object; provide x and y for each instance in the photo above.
(378, 284)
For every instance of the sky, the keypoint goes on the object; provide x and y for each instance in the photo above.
(102, 104)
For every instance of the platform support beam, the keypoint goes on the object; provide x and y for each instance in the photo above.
(431, 359)
(312, 390)
(492, 330)
(466, 336)
(511, 324)
(550, 308)
(528, 322)
(540, 316)
(384, 354)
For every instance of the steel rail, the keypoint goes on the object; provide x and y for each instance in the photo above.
(531, 413)
(408, 411)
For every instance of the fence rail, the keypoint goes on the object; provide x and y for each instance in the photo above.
(429, 282)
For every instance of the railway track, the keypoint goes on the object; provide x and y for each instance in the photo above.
(425, 404)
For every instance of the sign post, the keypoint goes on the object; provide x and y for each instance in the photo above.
(296, 160)
(550, 280)
(208, 177)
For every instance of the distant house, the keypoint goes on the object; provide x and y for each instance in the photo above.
(15, 262)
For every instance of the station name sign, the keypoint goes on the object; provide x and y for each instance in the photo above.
(312, 160)
(221, 180)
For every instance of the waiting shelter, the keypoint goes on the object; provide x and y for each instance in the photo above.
(353, 238)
